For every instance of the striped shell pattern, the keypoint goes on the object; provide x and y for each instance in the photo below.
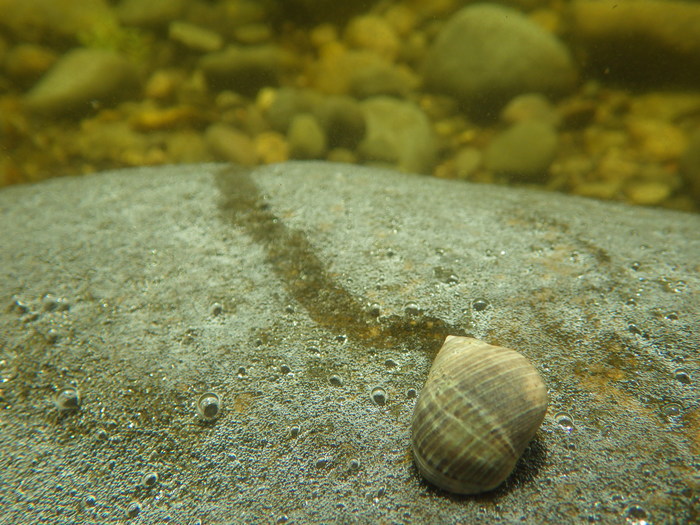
(480, 407)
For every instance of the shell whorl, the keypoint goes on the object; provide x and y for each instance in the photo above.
(480, 407)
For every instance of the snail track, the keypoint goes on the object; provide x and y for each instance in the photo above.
(293, 259)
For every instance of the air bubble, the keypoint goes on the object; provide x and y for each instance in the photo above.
(354, 464)
(216, 309)
(285, 369)
(672, 410)
(208, 406)
(133, 510)
(636, 265)
(480, 304)
(672, 316)
(51, 303)
(636, 513)
(149, 479)
(51, 336)
(313, 347)
(412, 309)
(634, 329)
(90, 501)
(374, 309)
(446, 275)
(565, 421)
(335, 380)
(67, 399)
(390, 364)
(242, 371)
(411, 393)
(378, 396)
(323, 462)
(294, 431)
(19, 306)
(681, 375)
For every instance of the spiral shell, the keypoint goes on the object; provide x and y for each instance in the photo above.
(480, 407)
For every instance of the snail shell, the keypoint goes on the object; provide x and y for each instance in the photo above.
(480, 407)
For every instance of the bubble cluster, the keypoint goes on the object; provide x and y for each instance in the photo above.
(50, 303)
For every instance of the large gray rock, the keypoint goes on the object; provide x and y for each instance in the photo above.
(146, 288)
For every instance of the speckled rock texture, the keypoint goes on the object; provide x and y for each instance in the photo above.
(312, 297)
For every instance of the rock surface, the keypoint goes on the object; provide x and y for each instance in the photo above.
(486, 54)
(294, 291)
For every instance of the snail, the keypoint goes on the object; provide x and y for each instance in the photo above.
(480, 407)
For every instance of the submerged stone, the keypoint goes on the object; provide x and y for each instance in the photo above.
(313, 266)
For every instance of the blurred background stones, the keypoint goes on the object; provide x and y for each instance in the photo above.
(603, 96)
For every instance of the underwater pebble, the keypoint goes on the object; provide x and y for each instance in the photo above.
(245, 69)
(195, 37)
(151, 14)
(523, 151)
(306, 137)
(81, 78)
(231, 144)
(486, 53)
